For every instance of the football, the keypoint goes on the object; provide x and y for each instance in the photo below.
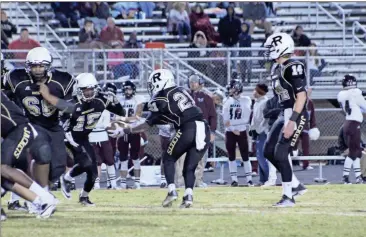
(114, 125)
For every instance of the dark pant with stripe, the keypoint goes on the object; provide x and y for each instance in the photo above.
(104, 152)
(352, 133)
(242, 141)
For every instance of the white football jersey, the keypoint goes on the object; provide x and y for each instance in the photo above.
(166, 130)
(99, 134)
(130, 105)
(353, 103)
(237, 111)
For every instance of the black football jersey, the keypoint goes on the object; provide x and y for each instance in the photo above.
(173, 105)
(26, 94)
(288, 79)
(11, 116)
(85, 116)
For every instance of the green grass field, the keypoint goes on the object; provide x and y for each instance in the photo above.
(331, 210)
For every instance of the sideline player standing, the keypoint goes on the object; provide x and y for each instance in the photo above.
(352, 102)
(236, 113)
(22, 85)
(288, 81)
(173, 104)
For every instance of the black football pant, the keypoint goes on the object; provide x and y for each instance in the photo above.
(85, 161)
(184, 141)
(23, 137)
(277, 147)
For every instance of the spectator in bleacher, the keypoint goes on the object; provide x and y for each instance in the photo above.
(229, 28)
(170, 6)
(101, 12)
(133, 43)
(199, 42)
(270, 9)
(88, 37)
(179, 21)
(315, 65)
(255, 13)
(201, 22)
(111, 33)
(126, 10)
(147, 8)
(24, 42)
(300, 40)
(245, 41)
(85, 9)
(218, 4)
(8, 27)
(66, 13)
(117, 65)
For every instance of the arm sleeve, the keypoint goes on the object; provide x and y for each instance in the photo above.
(155, 106)
(68, 88)
(116, 109)
(295, 73)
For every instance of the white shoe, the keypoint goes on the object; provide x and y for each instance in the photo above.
(137, 186)
(97, 183)
(46, 210)
(269, 183)
(309, 168)
(32, 209)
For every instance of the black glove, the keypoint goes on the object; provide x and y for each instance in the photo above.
(253, 134)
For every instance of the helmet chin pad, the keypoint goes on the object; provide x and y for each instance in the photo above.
(87, 94)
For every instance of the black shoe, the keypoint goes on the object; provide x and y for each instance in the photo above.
(3, 215)
(299, 190)
(187, 201)
(250, 184)
(234, 184)
(86, 202)
(15, 206)
(109, 186)
(346, 179)
(285, 202)
(163, 185)
(66, 187)
(170, 198)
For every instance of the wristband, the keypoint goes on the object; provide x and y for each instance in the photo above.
(294, 116)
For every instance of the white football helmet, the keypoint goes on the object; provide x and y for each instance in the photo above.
(35, 57)
(86, 86)
(278, 45)
(159, 80)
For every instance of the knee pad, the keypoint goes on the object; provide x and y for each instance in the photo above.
(42, 154)
(136, 164)
(124, 165)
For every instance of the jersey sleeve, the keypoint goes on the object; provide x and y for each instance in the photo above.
(295, 74)
(116, 109)
(7, 83)
(155, 106)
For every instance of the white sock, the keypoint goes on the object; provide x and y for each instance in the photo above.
(83, 193)
(137, 179)
(233, 170)
(14, 197)
(188, 191)
(111, 173)
(295, 182)
(347, 166)
(357, 167)
(248, 170)
(37, 189)
(46, 188)
(287, 189)
(67, 176)
(171, 187)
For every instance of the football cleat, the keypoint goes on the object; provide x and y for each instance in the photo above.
(359, 180)
(86, 201)
(299, 190)
(170, 198)
(285, 202)
(187, 201)
(250, 183)
(346, 179)
(65, 187)
(46, 210)
(15, 206)
(163, 185)
(234, 184)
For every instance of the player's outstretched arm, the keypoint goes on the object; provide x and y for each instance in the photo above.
(61, 104)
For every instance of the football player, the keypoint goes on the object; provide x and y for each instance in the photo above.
(23, 86)
(288, 81)
(173, 104)
(85, 113)
(19, 135)
(132, 105)
(353, 104)
(236, 113)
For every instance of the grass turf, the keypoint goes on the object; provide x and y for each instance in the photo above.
(330, 210)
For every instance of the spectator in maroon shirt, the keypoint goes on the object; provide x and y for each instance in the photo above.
(206, 104)
(24, 42)
(111, 33)
(201, 22)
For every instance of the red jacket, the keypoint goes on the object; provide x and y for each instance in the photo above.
(206, 104)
